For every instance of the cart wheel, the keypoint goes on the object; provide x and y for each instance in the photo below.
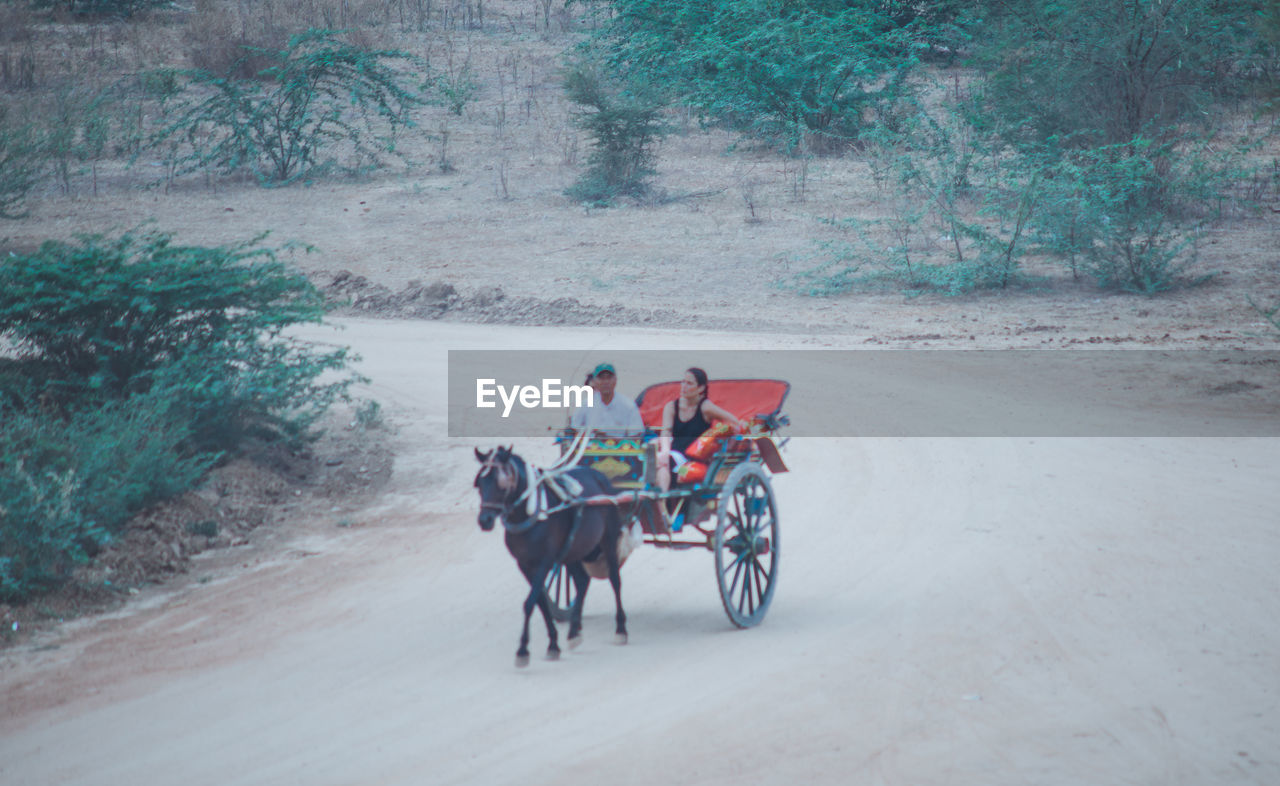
(559, 588)
(746, 545)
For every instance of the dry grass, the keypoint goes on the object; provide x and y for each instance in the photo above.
(482, 206)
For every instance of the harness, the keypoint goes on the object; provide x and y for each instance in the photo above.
(554, 479)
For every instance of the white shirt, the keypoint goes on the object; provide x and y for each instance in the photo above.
(620, 417)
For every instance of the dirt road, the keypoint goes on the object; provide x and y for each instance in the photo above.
(949, 611)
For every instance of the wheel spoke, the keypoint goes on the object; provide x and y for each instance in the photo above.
(739, 561)
(745, 597)
(763, 575)
(740, 595)
(761, 587)
(737, 574)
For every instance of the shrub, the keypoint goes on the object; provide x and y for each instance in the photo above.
(317, 92)
(1102, 72)
(110, 317)
(456, 87)
(68, 485)
(779, 69)
(138, 362)
(42, 532)
(75, 129)
(1120, 213)
(1272, 314)
(1126, 215)
(624, 125)
(20, 161)
(956, 219)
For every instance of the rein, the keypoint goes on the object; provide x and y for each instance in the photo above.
(555, 480)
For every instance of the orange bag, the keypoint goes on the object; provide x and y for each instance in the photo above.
(705, 446)
(691, 472)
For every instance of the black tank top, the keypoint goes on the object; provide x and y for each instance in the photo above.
(684, 432)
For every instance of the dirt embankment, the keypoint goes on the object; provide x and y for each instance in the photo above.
(354, 295)
(262, 487)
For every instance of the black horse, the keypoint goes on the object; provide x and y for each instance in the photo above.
(542, 531)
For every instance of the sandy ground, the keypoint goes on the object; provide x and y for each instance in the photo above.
(997, 611)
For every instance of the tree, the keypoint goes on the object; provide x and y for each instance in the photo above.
(624, 124)
(318, 92)
(135, 364)
(19, 164)
(1103, 72)
(821, 68)
(111, 317)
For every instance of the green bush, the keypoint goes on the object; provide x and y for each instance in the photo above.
(956, 219)
(76, 127)
(785, 70)
(319, 92)
(138, 362)
(1124, 214)
(1272, 314)
(624, 126)
(68, 485)
(19, 163)
(456, 87)
(1091, 131)
(42, 532)
(1102, 72)
(109, 317)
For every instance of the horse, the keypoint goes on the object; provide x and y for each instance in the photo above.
(544, 528)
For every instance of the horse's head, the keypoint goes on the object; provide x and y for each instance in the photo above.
(499, 482)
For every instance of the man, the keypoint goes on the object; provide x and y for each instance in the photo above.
(610, 415)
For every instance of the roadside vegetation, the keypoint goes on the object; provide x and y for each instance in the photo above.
(1104, 134)
(134, 365)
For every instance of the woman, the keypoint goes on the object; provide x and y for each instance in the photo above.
(684, 420)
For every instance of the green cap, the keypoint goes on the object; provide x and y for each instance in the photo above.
(603, 367)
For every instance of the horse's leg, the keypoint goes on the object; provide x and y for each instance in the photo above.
(553, 645)
(581, 581)
(613, 529)
(522, 654)
(537, 578)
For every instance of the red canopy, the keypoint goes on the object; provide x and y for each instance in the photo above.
(745, 398)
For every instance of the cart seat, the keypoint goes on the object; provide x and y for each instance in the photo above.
(748, 399)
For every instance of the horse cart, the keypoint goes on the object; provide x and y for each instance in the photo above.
(726, 507)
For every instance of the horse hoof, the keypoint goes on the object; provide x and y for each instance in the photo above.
(619, 638)
(522, 661)
(575, 642)
(553, 655)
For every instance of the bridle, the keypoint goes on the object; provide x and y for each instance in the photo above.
(537, 483)
(508, 478)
